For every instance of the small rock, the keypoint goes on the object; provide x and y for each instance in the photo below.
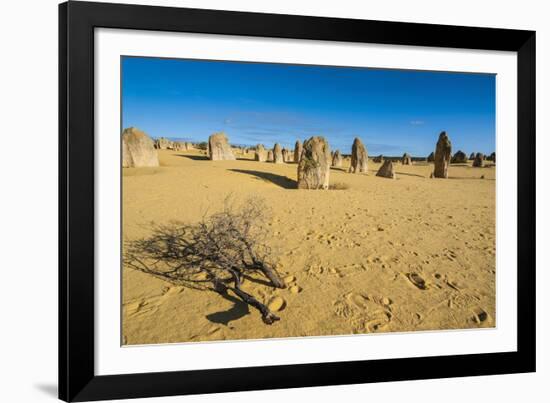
(276, 304)
(386, 170)
(386, 301)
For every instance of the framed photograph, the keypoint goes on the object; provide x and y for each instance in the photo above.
(257, 201)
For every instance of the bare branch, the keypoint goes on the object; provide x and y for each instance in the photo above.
(224, 245)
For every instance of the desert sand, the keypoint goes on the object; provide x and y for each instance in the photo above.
(376, 255)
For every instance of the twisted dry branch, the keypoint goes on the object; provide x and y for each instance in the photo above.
(224, 246)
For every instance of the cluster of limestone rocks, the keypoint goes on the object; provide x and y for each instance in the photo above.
(313, 157)
(163, 143)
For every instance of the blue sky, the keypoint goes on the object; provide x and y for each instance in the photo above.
(392, 111)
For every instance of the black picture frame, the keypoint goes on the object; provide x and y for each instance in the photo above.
(77, 379)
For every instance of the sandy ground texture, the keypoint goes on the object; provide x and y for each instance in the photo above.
(380, 255)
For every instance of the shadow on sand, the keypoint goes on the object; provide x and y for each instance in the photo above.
(194, 157)
(239, 308)
(237, 311)
(278, 180)
(408, 174)
(338, 169)
(470, 178)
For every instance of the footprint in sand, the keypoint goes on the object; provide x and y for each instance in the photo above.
(289, 279)
(358, 300)
(142, 307)
(336, 272)
(152, 304)
(364, 314)
(169, 291)
(295, 289)
(451, 255)
(455, 285)
(417, 281)
(379, 322)
(315, 271)
(480, 316)
(385, 301)
(276, 304)
(462, 300)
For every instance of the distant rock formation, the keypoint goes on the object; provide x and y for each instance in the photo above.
(431, 157)
(472, 156)
(359, 157)
(179, 146)
(378, 159)
(219, 148)
(288, 155)
(442, 156)
(260, 154)
(492, 157)
(163, 144)
(314, 166)
(337, 159)
(459, 158)
(386, 170)
(406, 159)
(138, 149)
(270, 156)
(478, 160)
(297, 151)
(277, 154)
